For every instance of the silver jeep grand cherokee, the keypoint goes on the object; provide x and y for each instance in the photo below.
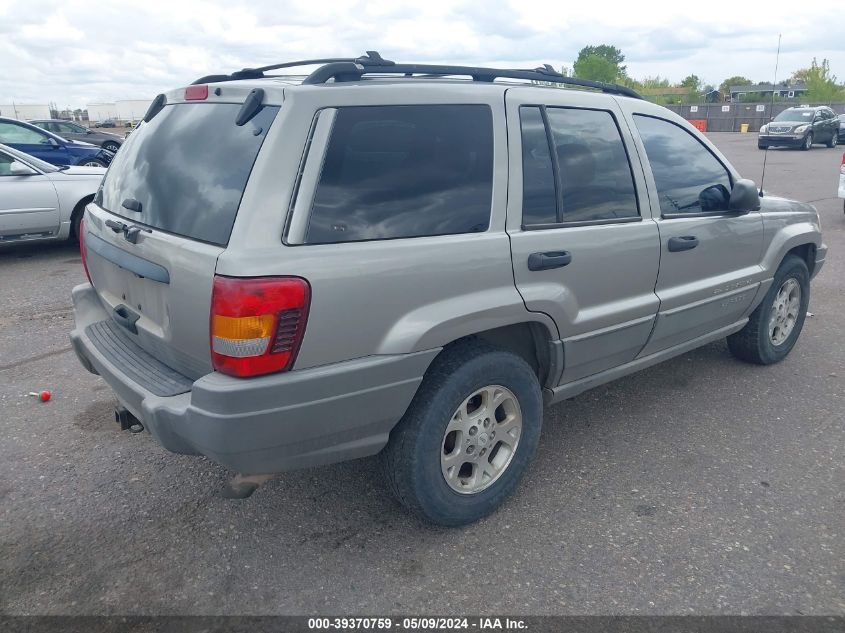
(415, 260)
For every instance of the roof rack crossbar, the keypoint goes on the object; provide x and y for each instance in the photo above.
(370, 58)
(371, 63)
(348, 70)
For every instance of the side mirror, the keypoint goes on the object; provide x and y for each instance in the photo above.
(52, 142)
(744, 196)
(19, 169)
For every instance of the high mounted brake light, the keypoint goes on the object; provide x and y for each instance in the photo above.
(196, 93)
(257, 323)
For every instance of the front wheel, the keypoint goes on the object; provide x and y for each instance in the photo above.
(92, 162)
(468, 436)
(762, 146)
(111, 146)
(774, 326)
(834, 139)
(808, 142)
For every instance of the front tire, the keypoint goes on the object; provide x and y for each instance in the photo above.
(834, 139)
(762, 146)
(468, 436)
(808, 142)
(775, 325)
(111, 146)
(92, 162)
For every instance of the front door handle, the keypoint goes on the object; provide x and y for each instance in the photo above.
(683, 243)
(548, 260)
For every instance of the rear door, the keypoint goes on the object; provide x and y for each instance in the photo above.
(710, 256)
(28, 204)
(585, 250)
(164, 214)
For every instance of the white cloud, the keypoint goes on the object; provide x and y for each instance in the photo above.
(73, 52)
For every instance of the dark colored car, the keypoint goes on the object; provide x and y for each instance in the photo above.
(801, 127)
(75, 132)
(50, 147)
(106, 123)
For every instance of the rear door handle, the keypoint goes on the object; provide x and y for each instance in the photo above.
(683, 243)
(548, 260)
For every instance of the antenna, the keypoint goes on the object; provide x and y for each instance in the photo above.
(771, 111)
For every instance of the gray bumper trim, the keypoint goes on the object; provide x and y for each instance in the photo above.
(272, 423)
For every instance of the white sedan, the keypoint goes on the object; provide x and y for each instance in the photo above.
(40, 201)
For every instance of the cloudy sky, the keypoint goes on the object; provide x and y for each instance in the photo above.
(74, 53)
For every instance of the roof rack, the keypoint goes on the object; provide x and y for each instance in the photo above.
(354, 69)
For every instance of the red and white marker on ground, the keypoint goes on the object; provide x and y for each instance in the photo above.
(44, 396)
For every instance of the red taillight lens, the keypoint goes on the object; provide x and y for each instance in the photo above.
(81, 238)
(257, 323)
(196, 93)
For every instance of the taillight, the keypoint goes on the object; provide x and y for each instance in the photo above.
(257, 323)
(81, 238)
(842, 167)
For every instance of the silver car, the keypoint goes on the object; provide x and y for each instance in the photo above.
(385, 258)
(40, 201)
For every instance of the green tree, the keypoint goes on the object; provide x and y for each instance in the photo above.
(738, 80)
(821, 85)
(691, 82)
(601, 63)
(655, 82)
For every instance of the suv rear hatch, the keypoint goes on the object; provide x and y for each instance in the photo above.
(161, 218)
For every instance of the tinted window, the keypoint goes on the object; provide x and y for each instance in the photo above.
(595, 176)
(11, 133)
(188, 168)
(404, 171)
(69, 128)
(5, 164)
(539, 199)
(689, 178)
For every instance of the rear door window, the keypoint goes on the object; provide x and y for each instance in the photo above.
(404, 171)
(187, 168)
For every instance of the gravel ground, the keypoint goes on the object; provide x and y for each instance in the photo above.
(702, 485)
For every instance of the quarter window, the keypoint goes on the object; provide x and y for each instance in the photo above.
(689, 178)
(594, 181)
(404, 171)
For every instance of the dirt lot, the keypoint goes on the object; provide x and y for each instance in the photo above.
(701, 486)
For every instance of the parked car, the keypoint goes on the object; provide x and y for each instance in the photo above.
(50, 147)
(75, 132)
(106, 123)
(39, 201)
(403, 266)
(841, 118)
(801, 127)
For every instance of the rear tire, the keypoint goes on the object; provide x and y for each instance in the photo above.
(111, 146)
(460, 391)
(765, 339)
(833, 141)
(762, 146)
(92, 162)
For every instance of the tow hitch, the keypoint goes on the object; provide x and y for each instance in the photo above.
(126, 420)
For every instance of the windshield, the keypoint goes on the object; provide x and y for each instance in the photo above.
(30, 160)
(795, 115)
(186, 169)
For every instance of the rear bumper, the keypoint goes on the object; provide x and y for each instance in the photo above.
(260, 425)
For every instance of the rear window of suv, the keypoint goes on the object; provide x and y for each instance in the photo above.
(188, 168)
(404, 171)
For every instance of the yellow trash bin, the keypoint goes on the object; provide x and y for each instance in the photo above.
(743, 128)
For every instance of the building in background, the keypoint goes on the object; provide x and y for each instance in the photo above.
(25, 111)
(762, 92)
(127, 110)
